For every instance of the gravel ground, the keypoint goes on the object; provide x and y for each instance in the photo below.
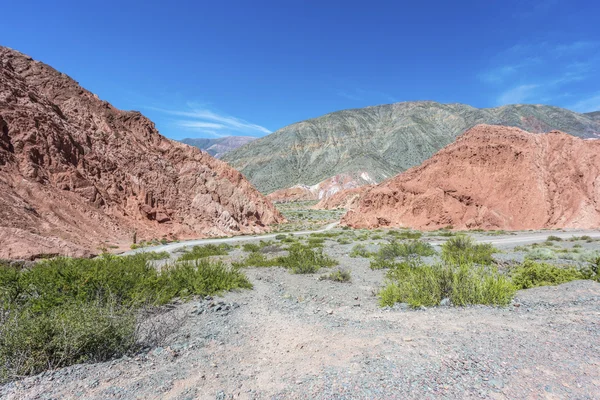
(294, 336)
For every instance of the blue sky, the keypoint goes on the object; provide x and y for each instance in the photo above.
(213, 68)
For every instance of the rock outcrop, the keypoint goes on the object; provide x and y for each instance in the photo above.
(383, 141)
(492, 177)
(322, 190)
(347, 199)
(78, 175)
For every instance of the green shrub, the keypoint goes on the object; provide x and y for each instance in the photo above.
(205, 251)
(532, 274)
(337, 276)
(588, 256)
(256, 259)
(405, 234)
(540, 253)
(418, 285)
(153, 255)
(388, 253)
(250, 247)
(553, 238)
(343, 241)
(462, 249)
(305, 260)
(360, 250)
(315, 242)
(64, 311)
(280, 237)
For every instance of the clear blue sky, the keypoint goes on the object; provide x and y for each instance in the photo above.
(211, 68)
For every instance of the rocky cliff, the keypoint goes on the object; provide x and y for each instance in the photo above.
(78, 175)
(492, 177)
(382, 140)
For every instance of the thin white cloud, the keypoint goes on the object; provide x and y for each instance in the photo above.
(202, 119)
(200, 125)
(541, 72)
(519, 94)
(587, 105)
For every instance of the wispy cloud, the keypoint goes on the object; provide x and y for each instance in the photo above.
(519, 94)
(588, 104)
(212, 123)
(541, 72)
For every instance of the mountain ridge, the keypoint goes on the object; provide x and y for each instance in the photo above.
(217, 147)
(382, 140)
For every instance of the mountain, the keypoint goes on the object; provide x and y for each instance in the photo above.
(382, 140)
(219, 146)
(77, 174)
(492, 177)
(593, 115)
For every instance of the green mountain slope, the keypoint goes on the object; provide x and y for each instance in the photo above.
(382, 140)
(593, 115)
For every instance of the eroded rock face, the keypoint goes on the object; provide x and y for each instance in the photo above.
(492, 177)
(347, 199)
(76, 173)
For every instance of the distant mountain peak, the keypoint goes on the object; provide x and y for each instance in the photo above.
(217, 147)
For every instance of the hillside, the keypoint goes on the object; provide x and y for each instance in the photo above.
(78, 175)
(593, 115)
(382, 140)
(492, 177)
(217, 147)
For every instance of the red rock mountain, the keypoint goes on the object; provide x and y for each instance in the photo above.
(77, 174)
(493, 177)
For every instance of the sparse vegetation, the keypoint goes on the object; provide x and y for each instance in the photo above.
(64, 311)
(553, 238)
(337, 276)
(405, 234)
(388, 253)
(462, 284)
(208, 250)
(462, 249)
(305, 260)
(533, 274)
(540, 253)
(360, 250)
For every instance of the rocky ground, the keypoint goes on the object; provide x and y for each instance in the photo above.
(294, 336)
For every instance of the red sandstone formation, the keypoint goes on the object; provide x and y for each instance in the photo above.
(492, 177)
(77, 174)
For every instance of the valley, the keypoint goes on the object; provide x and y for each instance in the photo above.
(413, 250)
